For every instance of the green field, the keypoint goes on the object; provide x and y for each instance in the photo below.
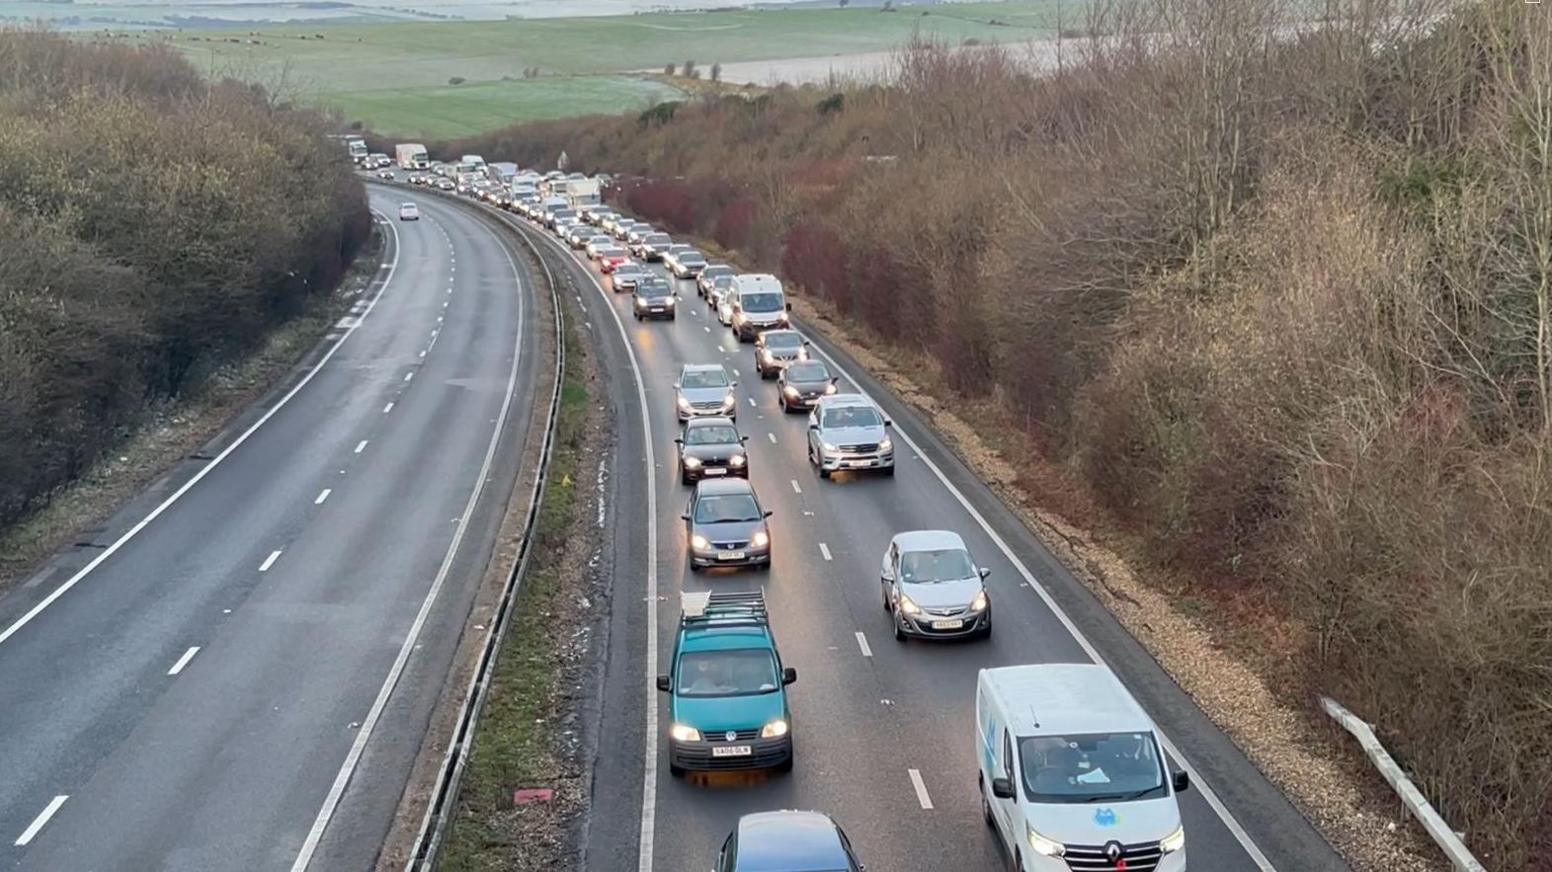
(396, 75)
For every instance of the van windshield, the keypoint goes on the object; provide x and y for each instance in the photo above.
(1097, 767)
(761, 302)
(740, 672)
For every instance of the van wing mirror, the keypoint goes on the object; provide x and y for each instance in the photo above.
(789, 675)
(1182, 781)
(664, 683)
(1002, 788)
(789, 305)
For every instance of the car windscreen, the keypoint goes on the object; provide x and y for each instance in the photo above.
(761, 302)
(726, 509)
(739, 672)
(783, 341)
(1092, 768)
(710, 434)
(656, 239)
(655, 289)
(927, 567)
(692, 257)
(718, 270)
(704, 378)
(852, 416)
(807, 372)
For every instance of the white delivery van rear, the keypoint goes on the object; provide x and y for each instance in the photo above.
(758, 304)
(1072, 774)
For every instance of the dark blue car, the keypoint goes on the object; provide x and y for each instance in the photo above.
(787, 841)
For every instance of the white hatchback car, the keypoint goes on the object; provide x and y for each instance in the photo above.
(409, 212)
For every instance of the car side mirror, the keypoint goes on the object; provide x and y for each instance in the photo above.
(789, 307)
(664, 683)
(676, 386)
(768, 513)
(732, 384)
(888, 423)
(1182, 781)
(813, 426)
(1002, 788)
(678, 440)
(835, 379)
(743, 438)
(685, 516)
(788, 675)
(984, 572)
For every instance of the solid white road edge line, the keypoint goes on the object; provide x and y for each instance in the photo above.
(39, 822)
(921, 789)
(862, 642)
(358, 747)
(1197, 782)
(155, 513)
(269, 561)
(183, 661)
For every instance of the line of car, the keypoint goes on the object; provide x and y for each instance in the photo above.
(1071, 772)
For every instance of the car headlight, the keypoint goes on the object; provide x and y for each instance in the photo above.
(782, 317)
(640, 302)
(830, 388)
(728, 401)
(684, 403)
(699, 543)
(802, 354)
(886, 445)
(682, 733)
(737, 460)
(761, 539)
(1042, 845)
(909, 605)
(790, 391)
(979, 603)
(1174, 841)
(774, 730)
(692, 462)
(830, 449)
(765, 353)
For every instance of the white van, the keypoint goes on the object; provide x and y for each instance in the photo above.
(757, 303)
(1072, 775)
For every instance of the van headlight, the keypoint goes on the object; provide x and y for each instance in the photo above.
(979, 603)
(1174, 841)
(1042, 845)
(682, 733)
(774, 730)
(760, 539)
(684, 403)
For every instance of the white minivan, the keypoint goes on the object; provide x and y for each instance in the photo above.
(756, 302)
(1071, 772)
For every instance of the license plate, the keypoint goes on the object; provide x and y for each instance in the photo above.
(731, 750)
(716, 472)
(730, 555)
(948, 625)
(657, 310)
(859, 464)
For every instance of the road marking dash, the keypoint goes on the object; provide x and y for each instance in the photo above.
(388, 408)
(39, 822)
(707, 329)
(269, 561)
(408, 376)
(824, 550)
(772, 437)
(183, 661)
(921, 789)
(795, 488)
(752, 402)
(323, 495)
(360, 446)
(862, 642)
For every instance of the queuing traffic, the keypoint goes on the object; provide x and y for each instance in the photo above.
(1071, 774)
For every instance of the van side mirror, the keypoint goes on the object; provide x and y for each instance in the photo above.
(1182, 781)
(1002, 788)
(789, 675)
(888, 423)
(984, 572)
(789, 305)
(664, 683)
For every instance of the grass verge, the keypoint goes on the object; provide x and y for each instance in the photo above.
(527, 736)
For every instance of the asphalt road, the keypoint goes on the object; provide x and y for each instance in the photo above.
(883, 731)
(262, 656)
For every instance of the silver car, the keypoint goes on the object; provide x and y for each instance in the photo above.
(932, 589)
(848, 432)
(704, 389)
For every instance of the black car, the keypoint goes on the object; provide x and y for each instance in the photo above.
(710, 448)
(654, 298)
(775, 350)
(795, 840)
(800, 385)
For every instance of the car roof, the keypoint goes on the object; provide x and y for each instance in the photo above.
(780, 332)
(1065, 698)
(712, 637)
(843, 400)
(789, 841)
(402, 205)
(718, 486)
(716, 421)
(929, 540)
(702, 367)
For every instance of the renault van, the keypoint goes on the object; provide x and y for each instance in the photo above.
(1072, 775)
(756, 303)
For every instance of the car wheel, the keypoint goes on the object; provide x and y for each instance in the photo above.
(781, 400)
(824, 473)
(786, 765)
(675, 770)
(672, 317)
(684, 478)
(986, 805)
(1018, 863)
(899, 627)
(885, 589)
(694, 567)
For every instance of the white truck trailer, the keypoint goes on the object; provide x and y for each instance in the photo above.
(411, 156)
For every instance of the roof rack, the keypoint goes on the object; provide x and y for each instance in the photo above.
(723, 608)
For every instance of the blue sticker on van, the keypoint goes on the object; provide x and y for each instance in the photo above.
(1105, 817)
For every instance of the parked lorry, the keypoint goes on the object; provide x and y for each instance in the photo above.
(582, 192)
(411, 156)
(502, 173)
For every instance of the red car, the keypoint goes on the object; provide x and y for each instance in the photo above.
(611, 259)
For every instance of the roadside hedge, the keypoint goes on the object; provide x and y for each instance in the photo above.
(152, 226)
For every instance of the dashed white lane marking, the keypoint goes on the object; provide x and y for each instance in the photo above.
(39, 822)
(408, 376)
(322, 495)
(862, 642)
(360, 446)
(269, 561)
(183, 661)
(921, 789)
(752, 402)
(824, 550)
(707, 329)
(422, 353)
(388, 408)
(773, 437)
(735, 372)
(795, 488)
(721, 349)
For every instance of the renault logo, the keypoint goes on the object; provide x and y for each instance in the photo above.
(1113, 852)
(731, 735)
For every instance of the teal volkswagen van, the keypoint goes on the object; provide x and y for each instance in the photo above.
(727, 687)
